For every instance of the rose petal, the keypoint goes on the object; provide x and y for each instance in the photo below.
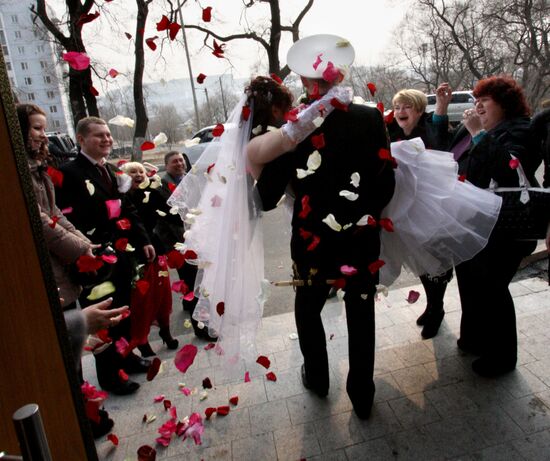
(113, 208)
(386, 224)
(173, 30)
(351, 196)
(150, 42)
(220, 308)
(87, 263)
(234, 400)
(514, 163)
(121, 244)
(209, 346)
(113, 439)
(380, 107)
(113, 73)
(318, 141)
(413, 296)
(109, 258)
(89, 186)
(338, 105)
(366, 220)
(246, 377)
(122, 375)
(331, 222)
(348, 270)
(271, 376)
(207, 14)
(167, 404)
(314, 242)
(245, 112)
(318, 61)
(331, 73)
(153, 370)
(355, 178)
(200, 78)
(375, 266)
(163, 24)
(389, 118)
(55, 175)
(158, 398)
(276, 78)
(218, 130)
(206, 383)
(306, 209)
(76, 60)
(124, 224)
(101, 290)
(372, 88)
(209, 412)
(223, 410)
(185, 356)
(263, 361)
(314, 160)
(216, 201)
(147, 145)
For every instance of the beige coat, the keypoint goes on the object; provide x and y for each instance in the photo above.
(65, 243)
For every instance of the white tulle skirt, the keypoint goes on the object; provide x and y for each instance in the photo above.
(438, 220)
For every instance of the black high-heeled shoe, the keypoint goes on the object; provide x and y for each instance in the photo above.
(146, 350)
(171, 343)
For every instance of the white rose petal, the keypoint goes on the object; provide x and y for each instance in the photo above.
(145, 183)
(160, 138)
(355, 178)
(91, 231)
(181, 247)
(318, 121)
(271, 128)
(364, 220)
(382, 289)
(130, 248)
(163, 274)
(120, 120)
(351, 196)
(257, 130)
(146, 198)
(90, 187)
(195, 211)
(174, 210)
(161, 213)
(340, 294)
(301, 174)
(347, 226)
(293, 336)
(331, 222)
(314, 160)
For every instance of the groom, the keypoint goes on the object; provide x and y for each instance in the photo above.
(330, 241)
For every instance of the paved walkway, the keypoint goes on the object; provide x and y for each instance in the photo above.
(428, 404)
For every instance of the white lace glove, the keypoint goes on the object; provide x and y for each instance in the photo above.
(313, 116)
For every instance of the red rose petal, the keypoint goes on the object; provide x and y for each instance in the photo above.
(372, 88)
(462, 178)
(209, 412)
(314, 242)
(86, 18)
(514, 163)
(121, 244)
(234, 400)
(209, 346)
(318, 141)
(86, 263)
(306, 209)
(54, 221)
(173, 30)
(128, 36)
(331, 73)
(386, 224)
(122, 375)
(389, 118)
(246, 377)
(163, 24)
(175, 259)
(206, 383)
(113, 73)
(223, 410)
(220, 308)
(304, 233)
(276, 78)
(167, 404)
(185, 356)
(124, 224)
(207, 14)
(171, 187)
(151, 42)
(246, 112)
(380, 107)
(338, 105)
(271, 376)
(55, 175)
(190, 254)
(218, 49)
(263, 361)
(200, 78)
(218, 130)
(291, 115)
(113, 439)
(153, 369)
(413, 296)
(375, 266)
(318, 61)
(339, 283)
(147, 145)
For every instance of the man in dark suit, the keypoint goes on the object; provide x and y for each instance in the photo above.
(171, 231)
(329, 239)
(93, 191)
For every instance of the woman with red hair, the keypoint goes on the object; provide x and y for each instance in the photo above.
(492, 134)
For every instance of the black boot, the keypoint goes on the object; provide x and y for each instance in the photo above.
(201, 333)
(135, 364)
(102, 427)
(321, 392)
(432, 317)
(171, 343)
(108, 363)
(145, 350)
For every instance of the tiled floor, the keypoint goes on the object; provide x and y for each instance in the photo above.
(429, 404)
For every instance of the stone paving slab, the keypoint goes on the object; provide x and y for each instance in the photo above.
(428, 404)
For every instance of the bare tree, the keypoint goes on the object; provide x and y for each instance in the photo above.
(462, 41)
(269, 38)
(83, 101)
(166, 119)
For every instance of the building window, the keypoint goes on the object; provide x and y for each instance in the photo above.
(17, 34)
(50, 94)
(56, 123)
(24, 66)
(28, 81)
(14, 19)
(40, 48)
(8, 65)
(53, 109)
(47, 79)
(12, 81)
(5, 50)
(43, 64)
(30, 96)
(2, 37)
(21, 49)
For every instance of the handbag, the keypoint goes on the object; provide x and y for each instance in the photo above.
(525, 210)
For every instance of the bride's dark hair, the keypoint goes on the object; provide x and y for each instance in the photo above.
(265, 93)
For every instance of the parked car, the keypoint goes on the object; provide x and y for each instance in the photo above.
(461, 100)
(61, 147)
(204, 134)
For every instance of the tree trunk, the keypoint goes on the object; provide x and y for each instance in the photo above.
(139, 103)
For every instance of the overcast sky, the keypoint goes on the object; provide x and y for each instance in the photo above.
(368, 24)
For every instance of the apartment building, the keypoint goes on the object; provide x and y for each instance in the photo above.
(33, 64)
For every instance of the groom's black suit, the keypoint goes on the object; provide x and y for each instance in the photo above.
(353, 140)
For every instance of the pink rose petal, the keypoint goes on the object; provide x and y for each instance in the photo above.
(76, 60)
(113, 208)
(348, 270)
(413, 296)
(185, 356)
(158, 398)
